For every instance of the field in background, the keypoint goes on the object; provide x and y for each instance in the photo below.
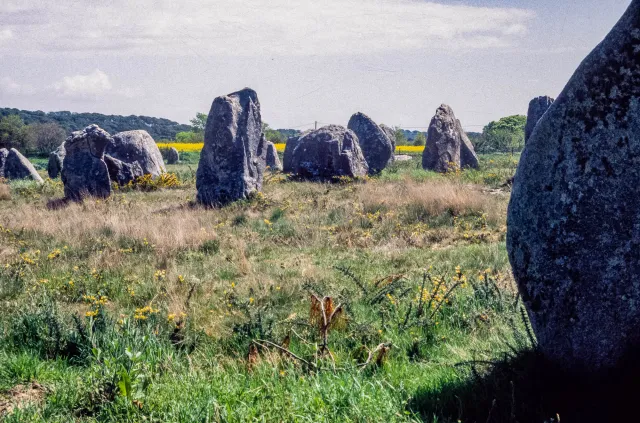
(186, 147)
(352, 301)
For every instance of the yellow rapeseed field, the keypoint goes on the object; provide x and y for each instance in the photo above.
(186, 147)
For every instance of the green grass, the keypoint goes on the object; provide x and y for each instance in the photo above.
(145, 307)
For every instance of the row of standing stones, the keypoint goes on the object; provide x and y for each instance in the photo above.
(236, 152)
(573, 234)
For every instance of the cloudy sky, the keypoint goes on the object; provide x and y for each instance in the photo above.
(309, 60)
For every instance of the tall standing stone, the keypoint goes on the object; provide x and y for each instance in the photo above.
(273, 160)
(573, 223)
(375, 144)
(84, 171)
(329, 152)
(137, 146)
(537, 108)
(233, 159)
(444, 139)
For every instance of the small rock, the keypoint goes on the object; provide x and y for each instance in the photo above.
(14, 165)
(273, 160)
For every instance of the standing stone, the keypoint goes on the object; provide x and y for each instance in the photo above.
(287, 158)
(14, 165)
(122, 173)
(573, 222)
(391, 134)
(273, 160)
(329, 152)
(84, 172)
(375, 144)
(173, 156)
(233, 159)
(56, 158)
(444, 138)
(468, 157)
(137, 146)
(537, 108)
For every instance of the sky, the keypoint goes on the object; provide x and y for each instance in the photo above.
(309, 60)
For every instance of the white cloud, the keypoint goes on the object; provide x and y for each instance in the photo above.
(11, 87)
(267, 27)
(93, 84)
(5, 34)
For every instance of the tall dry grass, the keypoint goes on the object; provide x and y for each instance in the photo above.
(5, 192)
(435, 197)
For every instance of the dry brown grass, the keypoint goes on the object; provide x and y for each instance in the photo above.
(5, 192)
(435, 197)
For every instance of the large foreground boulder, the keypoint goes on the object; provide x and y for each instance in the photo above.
(377, 148)
(447, 144)
(573, 223)
(537, 108)
(84, 171)
(56, 159)
(137, 146)
(273, 160)
(14, 165)
(329, 152)
(233, 159)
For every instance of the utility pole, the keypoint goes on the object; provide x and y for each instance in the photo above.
(316, 124)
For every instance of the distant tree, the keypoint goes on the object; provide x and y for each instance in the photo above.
(13, 133)
(190, 137)
(506, 135)
(401, 138)
(420, 139)
(273, 135)
(45, 137)
(199, 122)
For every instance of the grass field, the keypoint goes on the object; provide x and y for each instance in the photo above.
(346, 302)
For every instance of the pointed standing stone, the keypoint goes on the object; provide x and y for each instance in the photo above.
(233, 159)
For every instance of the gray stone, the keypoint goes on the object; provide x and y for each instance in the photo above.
(14, 165)
(273, 160)
(287, 157)
(329, 152)
(173, 156)
(233, 159)
(137, 146)
(56, 159)
(122, 173)
(84, 172)
(376, 146)
(444, 138)
(574, 217)
(468, 157)
(391, 134)
(402, 158)
(537, 108)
